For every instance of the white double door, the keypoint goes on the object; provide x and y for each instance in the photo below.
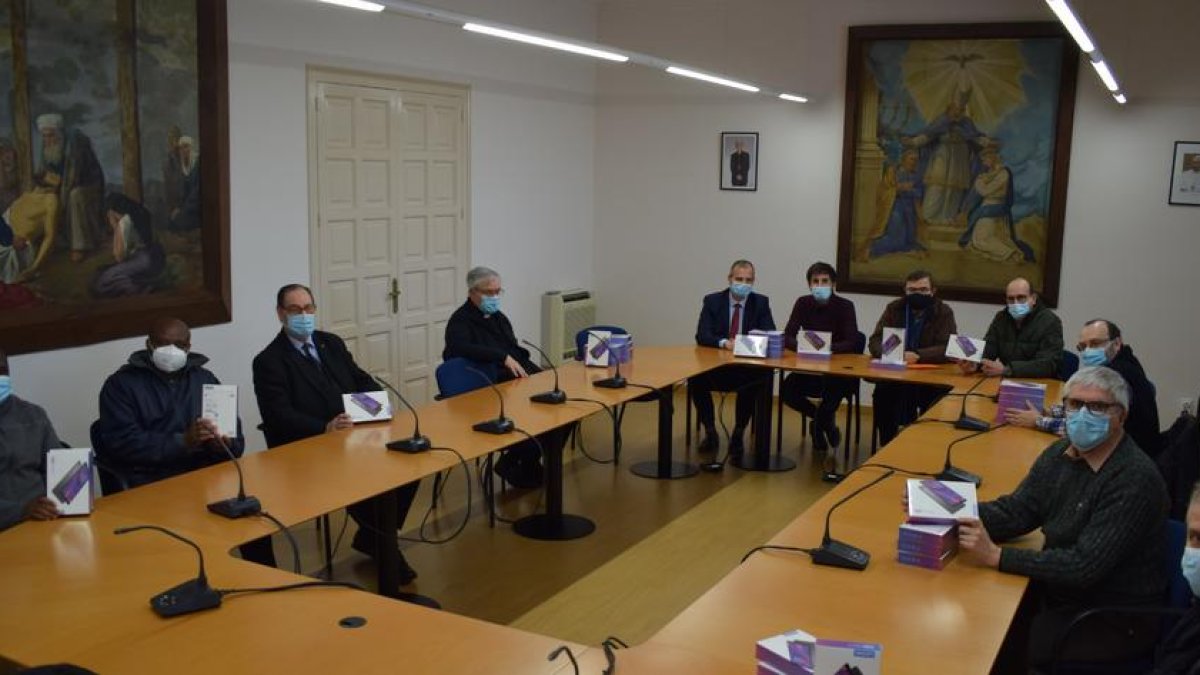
(389, 226)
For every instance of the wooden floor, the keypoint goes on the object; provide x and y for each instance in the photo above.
(658, 545)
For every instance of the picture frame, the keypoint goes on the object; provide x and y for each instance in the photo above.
(143, 109)
(1185, 174)
(955, 157)
(739, 161)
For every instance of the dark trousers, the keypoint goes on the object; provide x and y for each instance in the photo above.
(363, 513)
(747, 381)
(797, 389)
(897, 403)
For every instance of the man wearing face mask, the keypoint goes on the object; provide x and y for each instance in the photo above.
(1179, 651)
(479, 331)
(150, 426)
(26, 435)
(1102, 506)
(299, 379)
(1100, 344)
(928, 323)
(826, 311)
(1025, 339)
(724, 315)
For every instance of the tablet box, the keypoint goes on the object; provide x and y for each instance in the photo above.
(965, 348)
(1016, 395)
(927, 540)
(752, 346)
(933, 562)
(69, 480)
(814, 344)
(941, 501)
(834, 657)
(367, 406)
(789, 653)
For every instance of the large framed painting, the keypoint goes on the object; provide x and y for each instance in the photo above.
(114, 180)
(955, 157)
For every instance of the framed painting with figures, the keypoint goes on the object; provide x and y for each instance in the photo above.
(955, 156)
(113, 168)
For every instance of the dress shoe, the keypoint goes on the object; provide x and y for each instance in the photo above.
(710, 444)
(364, 543)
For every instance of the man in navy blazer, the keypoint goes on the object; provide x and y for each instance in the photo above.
(299, 380)
(725, 314)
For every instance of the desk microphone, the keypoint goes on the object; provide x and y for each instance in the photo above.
(558, 395)
(416, 442)
(241, 505)
(616, 381)
(951, 472)
(500, 425)
(840, 554)
(965, 421)
(193, 595)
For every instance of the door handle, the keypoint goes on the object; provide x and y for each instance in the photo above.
(394, 295)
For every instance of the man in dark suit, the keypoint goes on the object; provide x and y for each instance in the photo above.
(739, 165)
(726, 314)
(479, 331)
(299, 380)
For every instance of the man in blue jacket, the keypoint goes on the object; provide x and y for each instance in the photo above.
(150, 426)
(724, 315)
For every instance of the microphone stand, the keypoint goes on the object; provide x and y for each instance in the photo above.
(499, 425)
(239, 506)
(837, 553)
(555, 397)
(616, 381)
(193, 595)
(965, 421)
(416, 442)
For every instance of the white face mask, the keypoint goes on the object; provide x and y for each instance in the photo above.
(168, 358)
(1190, 564)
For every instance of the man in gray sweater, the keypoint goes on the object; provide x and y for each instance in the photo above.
(1102, 506)
(25, 437)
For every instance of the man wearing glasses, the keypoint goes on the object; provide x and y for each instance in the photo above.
(480, 332)
(1024, 340)
(1102, 506)
(1100, 344)
(299, 380)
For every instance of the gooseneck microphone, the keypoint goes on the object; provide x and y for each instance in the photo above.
(951, 472)
(965, 421)
(499, 425)
(416, 442)
(234, 507)
(193, 595)
(553, 397)
(616, 381)
(837, 553)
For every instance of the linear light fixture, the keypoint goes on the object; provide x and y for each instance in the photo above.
(794, 98)
(356, 4)
(713, 79)
(544, 42)
(1062, 9)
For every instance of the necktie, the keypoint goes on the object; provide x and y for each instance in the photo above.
(310, 354)
(735, 324)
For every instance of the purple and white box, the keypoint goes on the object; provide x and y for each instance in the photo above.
(941, 501)
(789, 653)
(835, 657)
(1017, 395)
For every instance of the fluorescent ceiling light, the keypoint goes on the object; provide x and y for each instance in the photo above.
(1072, 24)
(675, 70)
(1106, 75)
(356, 4)
(545, 42)
(793, 97)
(1120, 98)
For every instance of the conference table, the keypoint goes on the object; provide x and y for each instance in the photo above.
(71, 590)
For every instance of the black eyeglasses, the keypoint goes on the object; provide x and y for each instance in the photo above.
(1095, 407)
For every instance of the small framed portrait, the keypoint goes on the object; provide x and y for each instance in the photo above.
(739, 160)
(1185, 174)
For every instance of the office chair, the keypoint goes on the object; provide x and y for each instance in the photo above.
(1070, 364)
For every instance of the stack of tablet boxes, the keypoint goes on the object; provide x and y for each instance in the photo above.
(929, 538)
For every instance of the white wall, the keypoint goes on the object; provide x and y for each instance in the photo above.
(666, 234)
(532, 132)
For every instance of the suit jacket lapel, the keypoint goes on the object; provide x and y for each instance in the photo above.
(302, 365)
(723, 313)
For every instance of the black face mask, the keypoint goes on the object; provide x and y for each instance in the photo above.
(919, 300)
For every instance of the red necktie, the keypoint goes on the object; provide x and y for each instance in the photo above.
(735, 324)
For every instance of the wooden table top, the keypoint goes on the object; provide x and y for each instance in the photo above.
(73, 591)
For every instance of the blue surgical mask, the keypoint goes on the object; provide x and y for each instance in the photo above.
(1086, 429)
(1190, 565)
(301, 326)
(741, 291)
(490, 304)
(1018, 310)
(822, 293)
(1094, 356)
(5, 387)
